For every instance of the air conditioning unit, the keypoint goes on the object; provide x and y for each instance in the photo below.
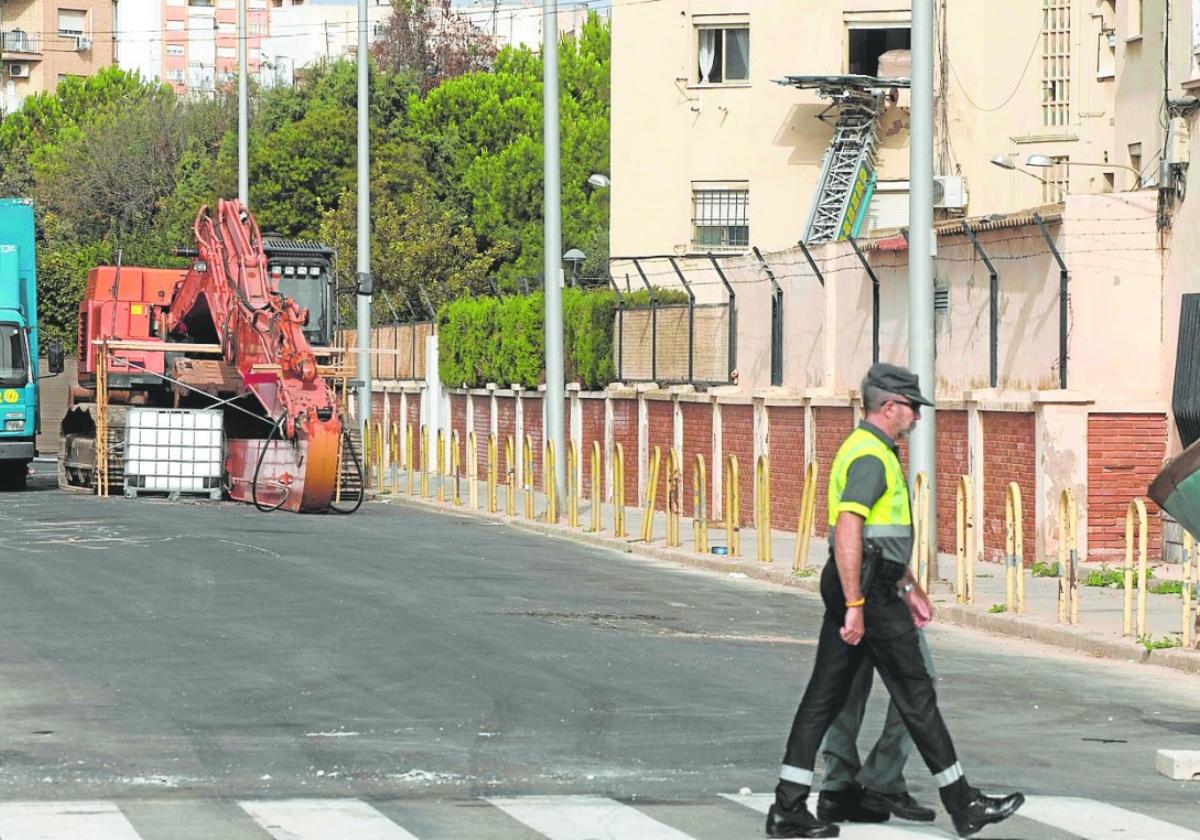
(949, 192)
(82, 43)
(18, 71)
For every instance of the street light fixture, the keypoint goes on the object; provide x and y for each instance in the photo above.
(574, 258)
(600, 182)
(1006, 162)
(1045, 162)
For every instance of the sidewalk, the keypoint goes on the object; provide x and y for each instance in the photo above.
(1101, 610)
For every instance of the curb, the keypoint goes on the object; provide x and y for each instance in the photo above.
(1001, 624)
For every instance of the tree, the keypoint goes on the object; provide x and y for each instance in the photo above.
(429, 41)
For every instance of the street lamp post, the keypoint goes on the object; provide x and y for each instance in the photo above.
(552, 243)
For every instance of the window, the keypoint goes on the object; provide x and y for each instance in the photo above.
(226, 52)
(866, 43)
(174, 26)
(14, 364)
(1057, 182)
(226, 27)
(724, 55)
(720, 216)
(1135, 161)
(1135, 23)
(1056, 62)
(72, 22)
(175, 50)
(175, 76)
(889, 206)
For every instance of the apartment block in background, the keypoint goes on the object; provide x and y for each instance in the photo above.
(304, 33)
(45, 41)
(190, 44)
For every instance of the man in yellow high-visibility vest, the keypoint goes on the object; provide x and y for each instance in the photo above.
(867, 617)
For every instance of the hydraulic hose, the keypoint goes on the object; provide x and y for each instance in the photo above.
(257, 467)
(362, 484)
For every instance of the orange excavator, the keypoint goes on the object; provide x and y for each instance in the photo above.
(216, 335)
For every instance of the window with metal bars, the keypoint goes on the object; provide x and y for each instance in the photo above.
(720, 218)
(1057, 181)
(1056, 62)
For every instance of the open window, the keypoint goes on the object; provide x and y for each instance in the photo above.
(722, 50)
(866, 42)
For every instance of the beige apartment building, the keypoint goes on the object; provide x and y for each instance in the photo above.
(1041, 77)
(45, 41)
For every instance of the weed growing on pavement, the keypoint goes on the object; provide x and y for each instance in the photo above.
(1165, 642)
(804, 573)
(1112, 578)
(1166, 587)
(1040, 569)
(998, 608)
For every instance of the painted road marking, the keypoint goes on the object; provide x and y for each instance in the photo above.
(585, 818)
(64, 821)
(321, 819)
(1099, 820)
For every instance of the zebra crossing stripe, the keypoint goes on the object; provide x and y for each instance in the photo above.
(585, 818)
(1099, 820)
(320, 819)
(850, 831)
(64, 821)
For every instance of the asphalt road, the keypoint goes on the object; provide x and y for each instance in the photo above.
(158, 653)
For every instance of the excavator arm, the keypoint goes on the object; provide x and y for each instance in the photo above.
(261, 337)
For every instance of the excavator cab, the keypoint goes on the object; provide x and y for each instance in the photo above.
(303, 271)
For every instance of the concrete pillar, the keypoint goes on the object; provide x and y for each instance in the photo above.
(716, 470)
(575, 433)
(518, 436)
(1061, 425)
(643, 441)
(608, 447)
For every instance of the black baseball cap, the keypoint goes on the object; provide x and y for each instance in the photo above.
(897, 380)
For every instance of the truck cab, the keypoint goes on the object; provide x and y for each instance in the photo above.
(18, 343)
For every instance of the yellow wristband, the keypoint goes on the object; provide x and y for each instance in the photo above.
(857, 603)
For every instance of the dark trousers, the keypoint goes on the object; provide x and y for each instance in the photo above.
(897, 657)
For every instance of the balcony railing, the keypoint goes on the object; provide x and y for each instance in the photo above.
(17, 41)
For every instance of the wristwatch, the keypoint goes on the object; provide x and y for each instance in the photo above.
(908, 587)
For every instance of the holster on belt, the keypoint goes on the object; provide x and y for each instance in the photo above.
(872, 556)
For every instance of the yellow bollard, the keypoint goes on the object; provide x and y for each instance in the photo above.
(493, 468)
(597, 487)
(674, 497)
(440, 457)
(651, 496)
(762, 503)
(733, 516)
(510, 471)
(473, 472)
(424, 461)
(1189, 564)
(618, 466)
(527, 478)
(700, 504)
(549, 484)
(1014, 550)
(395, 459)
(1135, 512)
(964, 572)
(409, 464)
(808, 510)
(572, 485)
(920, 550)
(379, 457)
(455, 463)
(1068, 558)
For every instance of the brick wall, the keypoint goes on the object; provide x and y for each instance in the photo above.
(697, 439)
(506, 419)
(591, 429)
(737, 437)
(1125, 453)
(414, 419)
(483, 427)
(625, 432)
(458, 423)
(1009, 454)
(533, 430)
(953, 459)
(661, 419)
(786, 445)
(831, 424)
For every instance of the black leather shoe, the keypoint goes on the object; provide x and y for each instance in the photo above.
(900, 805)
(837, 806)
(797, 823)
(983, 810)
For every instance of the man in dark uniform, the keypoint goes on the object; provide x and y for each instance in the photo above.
(871, 539)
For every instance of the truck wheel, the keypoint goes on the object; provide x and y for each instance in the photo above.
(13, 475)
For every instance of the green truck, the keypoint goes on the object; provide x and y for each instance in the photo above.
(19, 343)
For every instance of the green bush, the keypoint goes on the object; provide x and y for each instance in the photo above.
(501, 340)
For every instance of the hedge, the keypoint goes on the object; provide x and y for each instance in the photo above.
(501, 340)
